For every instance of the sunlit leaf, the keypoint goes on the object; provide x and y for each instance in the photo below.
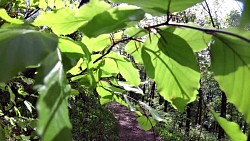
(152, 111)
(109, 68)
(53, 119)
(135, 32)
(127, 70)
(66, 20)
(115, 19)
(157, 7)
(170, 61)
(130, 88)
(4, 15)
(232, 129)
(20, 48)
(134, 48)
(230, 62)
(146, 123)
(62, 21)
(197, 40)
(98, 43)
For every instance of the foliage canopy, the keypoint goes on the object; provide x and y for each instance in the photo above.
(166, 50)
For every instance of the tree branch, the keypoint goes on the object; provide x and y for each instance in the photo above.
(210, 15)
(206, 30)
(106, 53)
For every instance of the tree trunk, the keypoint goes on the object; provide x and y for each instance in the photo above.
(223, 111)
(165, 106)
(199, 108)
(188, 119)
(152, 94)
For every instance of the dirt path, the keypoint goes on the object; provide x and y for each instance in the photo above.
(128, 126)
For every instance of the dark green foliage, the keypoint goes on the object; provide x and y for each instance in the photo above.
(90, 120)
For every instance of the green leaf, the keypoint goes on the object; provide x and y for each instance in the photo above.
(103, 92)
(126, 68)
(245, 19)
(230, 62)
(134, 48)
(170, 61)
(160, 7)
(197, 40)
(146, 123)
(112, 20)
(130, 88)
(109, 68)
(72, 52)
(43, 4)
(93, 8)
(62, 21)
(130, 104)
(70, 47)
(53, 119)
(66, 20)
(135, 32)
(97, 44)
(152, 111)
(20, 48)
(4, 15)
(232, 129)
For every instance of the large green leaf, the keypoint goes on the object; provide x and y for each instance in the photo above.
(112, 20)
(4, 15)
(98, 43)
(21, 47)
(170, 61)
(67, 20)
(126, 68)
(109, 68)
(53, 119)
(62, 21)
(146, 123)
(157, 7)
(72, 51)
(197, 40)
(232, 129)
(230, 62)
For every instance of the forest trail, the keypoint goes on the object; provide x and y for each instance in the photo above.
(129, 129)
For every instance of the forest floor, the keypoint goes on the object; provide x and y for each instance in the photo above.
(129, 129)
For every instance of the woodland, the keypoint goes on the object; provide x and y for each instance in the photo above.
(73, 70)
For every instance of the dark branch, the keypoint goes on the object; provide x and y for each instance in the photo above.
(206, 30)
(210, 15)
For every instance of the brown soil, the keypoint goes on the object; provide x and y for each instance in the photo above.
(129, 130)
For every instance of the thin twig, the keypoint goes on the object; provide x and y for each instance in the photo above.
(210, 14)
(33, 12)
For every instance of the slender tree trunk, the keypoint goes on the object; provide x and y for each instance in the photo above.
(152, 94)
(188, 119)
(165, 106)
(223, 111)
(199, 108)
(161, 100)
(245, 127)
(248, 136)
(144, 86)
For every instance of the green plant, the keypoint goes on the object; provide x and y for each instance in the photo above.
(167, 51)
